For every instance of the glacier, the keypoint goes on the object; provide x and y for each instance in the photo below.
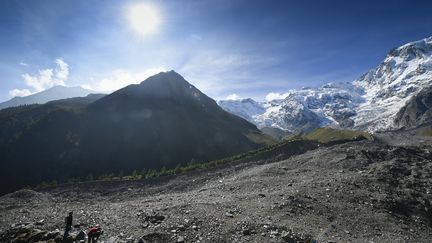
(369, 103)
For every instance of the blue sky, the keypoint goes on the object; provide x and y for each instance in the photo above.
(244, 47)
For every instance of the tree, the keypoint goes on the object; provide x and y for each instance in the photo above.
(151, 173)
(89, 177)
(178, 169)
(53, 183)
(135, 175)
(143, 173)
(192, 162)
(163, 171)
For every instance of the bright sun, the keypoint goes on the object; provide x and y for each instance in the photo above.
(143, 18)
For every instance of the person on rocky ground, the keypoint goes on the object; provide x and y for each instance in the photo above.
(94, 233)
(68, 222)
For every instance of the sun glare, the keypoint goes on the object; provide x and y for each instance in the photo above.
(143, 18)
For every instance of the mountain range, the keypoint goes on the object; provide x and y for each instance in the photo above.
(370, 103)
(162, 122)
(165, 121)
(53, 93)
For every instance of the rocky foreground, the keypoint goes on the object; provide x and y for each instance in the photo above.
(364, 191)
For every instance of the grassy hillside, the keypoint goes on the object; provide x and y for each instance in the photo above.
(326, 135)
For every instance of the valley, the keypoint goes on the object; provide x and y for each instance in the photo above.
(352, 191)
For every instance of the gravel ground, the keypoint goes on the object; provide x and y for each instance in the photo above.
(365, 191)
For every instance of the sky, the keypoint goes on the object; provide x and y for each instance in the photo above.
(226, 48)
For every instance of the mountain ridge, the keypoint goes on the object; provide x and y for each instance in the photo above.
(369, 103)
(137, 127)
(54, 93)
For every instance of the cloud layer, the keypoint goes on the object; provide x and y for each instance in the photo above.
(233, 97)
(276, 96)
(46, 78)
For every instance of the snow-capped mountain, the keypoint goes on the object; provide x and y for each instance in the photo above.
(405, 71)
(245, 108)
(54, 93)
(368, 103)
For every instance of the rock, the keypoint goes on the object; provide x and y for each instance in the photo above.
(36, 235)
(181, 227)
(157, 237)
(246, 232)
(286, 236)
(181, 239)
(81, 236)
(155, 219)
(262, 195)
(40, 222)
(229, 215)
(51, 235)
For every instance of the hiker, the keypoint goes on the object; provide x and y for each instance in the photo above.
(68, 221)
(94, 233)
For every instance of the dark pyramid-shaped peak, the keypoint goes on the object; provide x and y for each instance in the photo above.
(157, 90)
(166, 85)
(162, 85)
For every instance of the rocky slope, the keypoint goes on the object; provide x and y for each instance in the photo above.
(364, 191)
(368, 103)
(417, 111)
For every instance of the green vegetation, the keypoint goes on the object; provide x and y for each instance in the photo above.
(327, 135)
(425, 132)
(179, 169)
(320, 135)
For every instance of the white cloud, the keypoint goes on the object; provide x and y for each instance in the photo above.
(19, 92)
(62, 70)
(233, 97)
(46, 78)
(23, 64)
(215, 72)
(121, 78)
(276, 96)
(194, 38)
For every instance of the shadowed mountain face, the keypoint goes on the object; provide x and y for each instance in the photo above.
(417, 111)
(164, 121)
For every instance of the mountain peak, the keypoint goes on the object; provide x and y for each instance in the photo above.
(168, 76)
(370, 102)
(158, 89)
(164, 85)
(412, 50)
